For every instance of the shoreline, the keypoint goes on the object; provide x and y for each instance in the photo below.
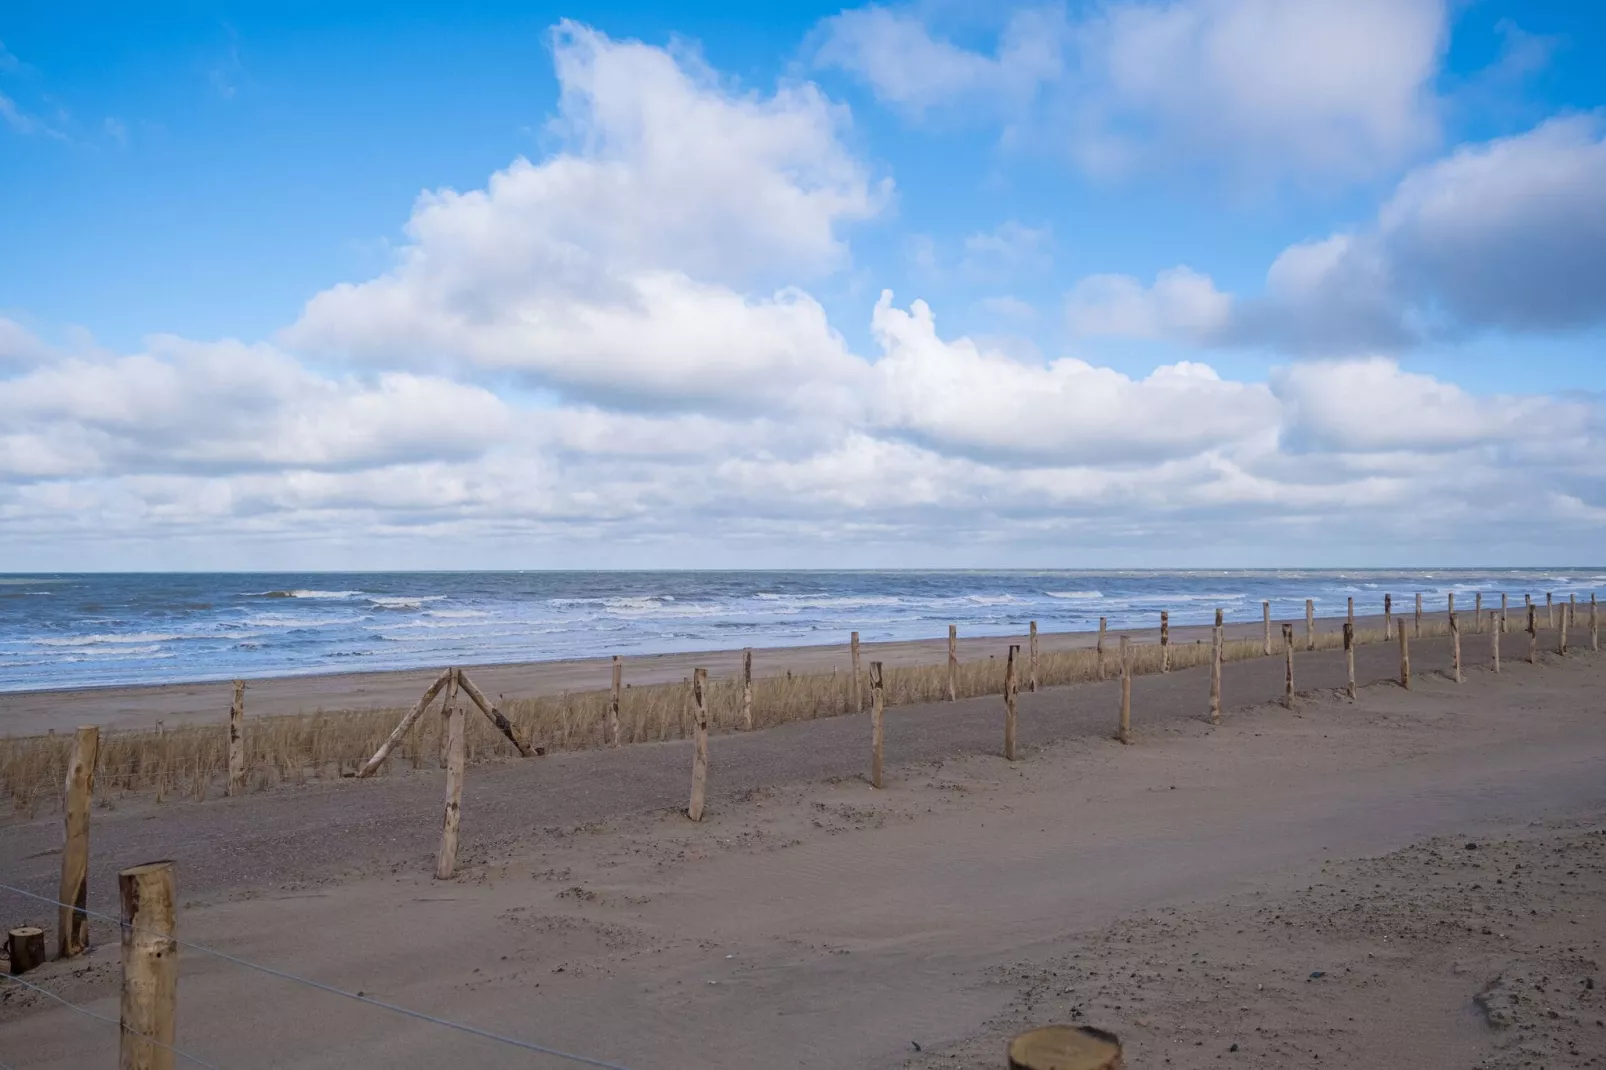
(136, 706)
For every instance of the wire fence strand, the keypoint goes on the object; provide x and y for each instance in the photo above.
(406, 1012)
(180, 1052)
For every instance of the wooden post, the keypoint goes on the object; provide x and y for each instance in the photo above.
(1101, 648)
(1550, 610)
(953, 662)
(1405, 658)
(1009, 704)
(25, 947)
(495, 716)
(1125, 732)
(1065, 1047)
(1477, 612)
(73, 936)
(1502, 612)
(1032, 659)
(1455, 645)
(456, 756)
(1533, 634)
(613, 701)
(1561, 633)
(150, 967)
(448, 703)
(1594, 624)
(1165, 641)
(1349, 656)
(1265, 620)
(400, 731)
(858, 690)
(747, 689)
(699, 762)
(1450, 605)
(1349, 611)
(1215, 671)
(1388, 617)
(1419, 614)
(237, 740)
(1495, 628)
(1310, 624)
(1288, 654)
(877, 710)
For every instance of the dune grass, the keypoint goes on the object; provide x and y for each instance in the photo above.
(191, 761)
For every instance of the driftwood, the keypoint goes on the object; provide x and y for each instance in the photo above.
(371, 766)
(1065, 1047)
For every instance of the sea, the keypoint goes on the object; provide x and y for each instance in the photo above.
(96, 629)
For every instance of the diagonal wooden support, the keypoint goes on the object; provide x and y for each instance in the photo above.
(502, 724)
(399, 733)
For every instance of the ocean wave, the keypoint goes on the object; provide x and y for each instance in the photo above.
(298, 593)
(109, 638)
(457, 614)
(1074, 594)
(403, 601)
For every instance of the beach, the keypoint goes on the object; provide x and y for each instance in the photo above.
(1294, 887)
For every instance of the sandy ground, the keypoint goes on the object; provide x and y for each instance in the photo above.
(25, 713)
(1292, 888)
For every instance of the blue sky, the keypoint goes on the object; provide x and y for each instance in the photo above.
(220, 205)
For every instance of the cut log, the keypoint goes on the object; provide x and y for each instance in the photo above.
(26, 947)
(1065, 1047)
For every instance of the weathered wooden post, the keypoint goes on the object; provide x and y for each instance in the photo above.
(1405, 658)
(1561, 633)
(150, 967)
(1265, 620)
(237, 740)
(613, 703)
(1477, 611)
(747, 689)
(1533, 634)
(1349, 611)
(1550, 609)
(1124, 733)
(1288, 654)
(25, 948)
(1101, 648)
(1419, 614)
(456, 759)
(1165, 641)
(1502, 611)
(1032, 658)
(1310, 624)
(1388, 617)
(1572, 611)
(1495, 628)
(1215, 671)
(73, 936)
(877, 710)
(448, 703)
(1009, 703)
(1065, 1047)
(953, 662)
(1594, 624)
(853, 648)
(1349, 656)
(1455, 646)
(699, 762)
(1450, 605)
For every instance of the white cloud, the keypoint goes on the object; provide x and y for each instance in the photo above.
(1506, 234)
(1182, 303)
(623, 268)
(1329, 90)
(907, 66)
(1008, 249)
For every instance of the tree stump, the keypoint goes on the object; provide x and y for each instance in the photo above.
(26, 946)
(1065, 1047)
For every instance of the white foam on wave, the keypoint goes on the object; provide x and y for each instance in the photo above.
(1078, 595)
(108, 638)
(301, 593)
(399, 601)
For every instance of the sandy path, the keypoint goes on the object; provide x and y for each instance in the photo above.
(34, 712)
(816, 923)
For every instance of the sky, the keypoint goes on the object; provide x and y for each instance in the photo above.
(1125, 283)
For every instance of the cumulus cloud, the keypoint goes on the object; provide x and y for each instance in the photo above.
(1507, 234)
(626, 267)
(1182, 303)
(1325, 89)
